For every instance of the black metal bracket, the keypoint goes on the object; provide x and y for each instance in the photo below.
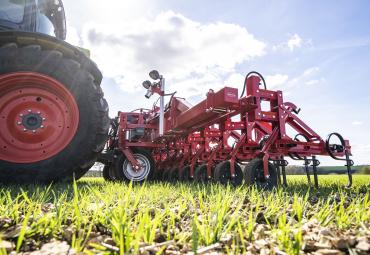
(349, 162)
(281, 163)
(315, 164)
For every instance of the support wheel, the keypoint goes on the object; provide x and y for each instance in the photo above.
(166, 175)
(200, 174)
(184, 174)
(109, 173)
(174, 175)
(222, 174)
(158, 174)
(125, 172)
(253, 174)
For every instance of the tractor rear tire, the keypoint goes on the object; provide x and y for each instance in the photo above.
(253, 174)
(125, 172)
(54, 116)
(222, 174)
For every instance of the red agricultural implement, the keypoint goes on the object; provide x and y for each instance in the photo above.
(213, 139)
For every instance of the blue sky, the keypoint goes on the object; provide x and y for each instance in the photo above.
(317, 52)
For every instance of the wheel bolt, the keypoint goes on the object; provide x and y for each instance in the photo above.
(29, 110)
(39, 112)
(25, 130)
(19, 122)
(21, 115)
(43, 118)
(42, 126)
(33, 131)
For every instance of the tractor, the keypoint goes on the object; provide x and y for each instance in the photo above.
(53, 116)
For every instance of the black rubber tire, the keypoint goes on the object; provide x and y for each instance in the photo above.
(184, 174)
(121, 160)
(166, 175)
(81, 77)
(174, 175)
(109, 173)
(253, 174)
(200, 174)
(222, 174)
(158, 175)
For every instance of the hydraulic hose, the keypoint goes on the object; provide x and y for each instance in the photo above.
(247, 76)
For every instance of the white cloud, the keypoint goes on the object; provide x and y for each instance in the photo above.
(315, 81)
(235, 80)
(310, 71)
(275, 80)
(192, 55)
(288, 85)
(357, 123)
(307, 77)
(73, 36)
(295, 41)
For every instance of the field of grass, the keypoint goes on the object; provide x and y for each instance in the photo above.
(92, 216)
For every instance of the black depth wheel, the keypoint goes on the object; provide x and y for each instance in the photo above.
(166, 175)
(109, 173)
(174, 175)
(222, 174)
(253, 174)
(157, 176)
(184, 174)
(200, 174)
(125, 172)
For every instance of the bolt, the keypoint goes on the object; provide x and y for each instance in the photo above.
(25, 130)
(43, 118)
(42, 126)
(33, 131)
(29, 110)
(38, 112)
(21, 115)
(19, 122)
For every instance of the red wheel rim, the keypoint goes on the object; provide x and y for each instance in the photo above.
(39, 117)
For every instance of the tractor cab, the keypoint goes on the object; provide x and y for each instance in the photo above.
(39, 16)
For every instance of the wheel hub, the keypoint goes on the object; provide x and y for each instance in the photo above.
(39, 117)
(136, 174)
(32, 121)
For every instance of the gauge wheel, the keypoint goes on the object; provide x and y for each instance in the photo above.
(222, 174)
(200, 174)
(125, 172)
(254, 175)
(184, 174)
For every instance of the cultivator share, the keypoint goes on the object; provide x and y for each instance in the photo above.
(225, 138)
(54, 120)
